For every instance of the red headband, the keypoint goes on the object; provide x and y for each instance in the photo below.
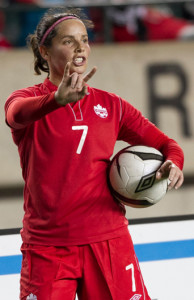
(53, 26)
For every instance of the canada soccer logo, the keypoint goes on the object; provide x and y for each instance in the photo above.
(101, 111)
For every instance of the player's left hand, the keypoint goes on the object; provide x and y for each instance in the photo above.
(174, 174)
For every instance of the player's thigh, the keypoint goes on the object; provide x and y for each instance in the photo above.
(58, 290)
(112, 270)
(44, 274)
(127, 277)
(93, 284)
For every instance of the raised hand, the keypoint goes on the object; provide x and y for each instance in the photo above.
(73, 86)
(174, 174)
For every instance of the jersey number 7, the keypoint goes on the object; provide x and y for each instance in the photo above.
(83, 137)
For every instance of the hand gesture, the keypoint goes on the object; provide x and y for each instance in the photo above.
(174, 174)
(72, 87)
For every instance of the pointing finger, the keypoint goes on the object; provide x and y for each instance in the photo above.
(74, 78)
(67, 70)
(80, 84)
(90, 74)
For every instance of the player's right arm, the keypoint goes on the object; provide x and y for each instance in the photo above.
(23, 108)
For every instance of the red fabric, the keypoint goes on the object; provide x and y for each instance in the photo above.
(122, 34)
(158, 26)
(67, 200)
(161, 26)
(29, 109)
(4, 43)
(95, 271)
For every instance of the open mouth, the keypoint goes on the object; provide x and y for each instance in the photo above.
(79, 61)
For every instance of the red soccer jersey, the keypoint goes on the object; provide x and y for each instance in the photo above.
(64, 154)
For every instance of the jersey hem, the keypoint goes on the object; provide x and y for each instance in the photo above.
(75, 242)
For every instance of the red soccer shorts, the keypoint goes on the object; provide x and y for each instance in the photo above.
(106, 270)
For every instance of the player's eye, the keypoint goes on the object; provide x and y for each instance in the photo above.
(67, 42)
(85, 40)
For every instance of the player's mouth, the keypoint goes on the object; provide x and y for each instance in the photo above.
(79, 61)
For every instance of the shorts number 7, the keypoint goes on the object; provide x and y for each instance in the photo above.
(83, 137)
(131, 266)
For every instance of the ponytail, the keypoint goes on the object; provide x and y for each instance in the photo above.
(40, 64)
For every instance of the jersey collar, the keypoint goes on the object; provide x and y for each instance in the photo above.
(50, 86)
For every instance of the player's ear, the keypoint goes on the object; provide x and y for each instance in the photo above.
(44, 52)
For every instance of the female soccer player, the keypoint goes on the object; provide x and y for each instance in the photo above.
(75, 235)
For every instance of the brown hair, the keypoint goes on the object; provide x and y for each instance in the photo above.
(48, 19)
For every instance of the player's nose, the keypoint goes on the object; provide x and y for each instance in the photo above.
(79, 47)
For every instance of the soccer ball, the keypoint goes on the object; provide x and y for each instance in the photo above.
(132, 176)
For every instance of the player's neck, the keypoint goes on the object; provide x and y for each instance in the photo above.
(56, 80)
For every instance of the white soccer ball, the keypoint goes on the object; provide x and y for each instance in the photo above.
(132, 176)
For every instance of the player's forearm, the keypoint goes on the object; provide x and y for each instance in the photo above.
(23, 111)
(154, 137)
(172, 151)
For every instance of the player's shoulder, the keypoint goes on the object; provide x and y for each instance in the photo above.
(23, 93)
(26, 92)
(112, 98)
(104, 94)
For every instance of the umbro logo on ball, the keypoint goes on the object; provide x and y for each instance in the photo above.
(146, 182)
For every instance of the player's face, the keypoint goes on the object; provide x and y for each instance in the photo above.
(69, 45)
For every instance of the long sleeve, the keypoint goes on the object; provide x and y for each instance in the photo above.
(22, 109)
(172, 151)
(138, 130)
